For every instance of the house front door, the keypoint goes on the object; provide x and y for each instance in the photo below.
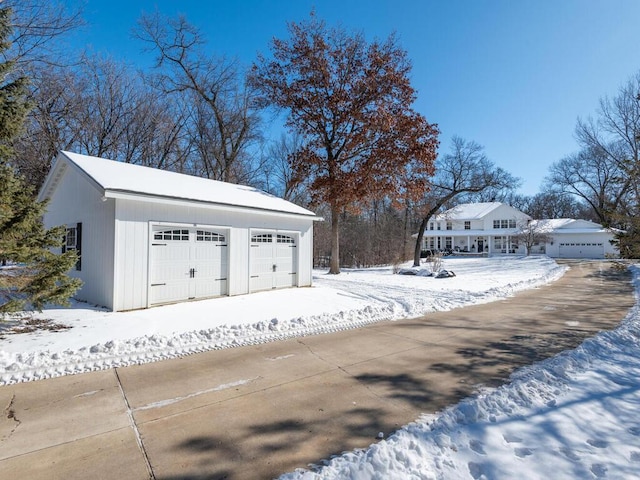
(480, 245)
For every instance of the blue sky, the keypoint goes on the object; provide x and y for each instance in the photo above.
(512, 75)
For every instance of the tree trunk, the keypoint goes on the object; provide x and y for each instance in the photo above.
(405, 235)
(418, 249)
(334, 266)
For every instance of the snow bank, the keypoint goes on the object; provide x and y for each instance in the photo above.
(100, 339)
(571, 416)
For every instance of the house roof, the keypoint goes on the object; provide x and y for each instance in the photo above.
(569, 225)
(470, 211)
(117, 179)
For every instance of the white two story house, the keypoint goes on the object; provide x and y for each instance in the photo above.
(485, 228)
(491, 228)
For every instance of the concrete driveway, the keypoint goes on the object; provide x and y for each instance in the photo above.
(259, 411)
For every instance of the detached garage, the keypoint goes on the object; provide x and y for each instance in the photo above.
(149, 237)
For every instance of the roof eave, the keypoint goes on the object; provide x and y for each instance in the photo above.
(129, 195)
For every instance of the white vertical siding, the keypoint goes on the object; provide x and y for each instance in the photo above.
(305, 259)
(239, 261)
(131, 267)
(76, 200)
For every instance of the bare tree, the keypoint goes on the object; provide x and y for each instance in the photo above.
(100, 108)
(223, 122)
(605, 173)
(591, 176)
(531, 233)
(278, 169)
(47, 127)
(466, 170)
(38, 27)
(551, 204)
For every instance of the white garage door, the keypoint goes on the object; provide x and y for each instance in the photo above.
(273, 261)
(187, 263)
(581, 250)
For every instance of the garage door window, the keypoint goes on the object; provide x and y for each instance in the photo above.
(285, 239)
(181, 235)
(264, 238)
(204, 236)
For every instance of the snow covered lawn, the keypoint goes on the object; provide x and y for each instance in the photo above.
(573, 416)
(99, 339)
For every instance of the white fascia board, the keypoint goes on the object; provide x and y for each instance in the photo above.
(57, 171)
(194, 203)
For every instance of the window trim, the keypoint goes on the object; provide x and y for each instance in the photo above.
(76, 245)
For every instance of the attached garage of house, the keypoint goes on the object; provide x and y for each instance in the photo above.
(572, 238)
(149, 237)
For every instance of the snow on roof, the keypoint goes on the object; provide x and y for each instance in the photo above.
(568, 225)
(119, 177)
(469, 211)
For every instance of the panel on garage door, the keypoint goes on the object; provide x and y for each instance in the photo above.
(581, 250)
(210, 261)
(186, 264)
(261, 277)
(285, 260)
(273, 261)
(170, 264)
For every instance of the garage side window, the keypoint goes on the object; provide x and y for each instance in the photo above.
(73, 242)
(180, 235)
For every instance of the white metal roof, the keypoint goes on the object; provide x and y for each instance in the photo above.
(124, 178)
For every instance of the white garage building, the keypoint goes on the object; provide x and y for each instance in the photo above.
(148, 237)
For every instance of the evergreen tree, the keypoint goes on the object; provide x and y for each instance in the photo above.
(36, 275)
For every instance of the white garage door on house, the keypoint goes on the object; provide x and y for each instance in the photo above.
(581, 250)
(273, 261)
(187, 263)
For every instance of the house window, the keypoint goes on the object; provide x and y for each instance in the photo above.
(449, 226)
(467, 225)
(180, 235)
(73, 241)
(500, 243)
(431, 226)
(448, 242)
(204, 236)
(504, 223)
(439, 226)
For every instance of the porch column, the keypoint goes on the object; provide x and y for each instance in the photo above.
(490, 246)
(468, 243)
